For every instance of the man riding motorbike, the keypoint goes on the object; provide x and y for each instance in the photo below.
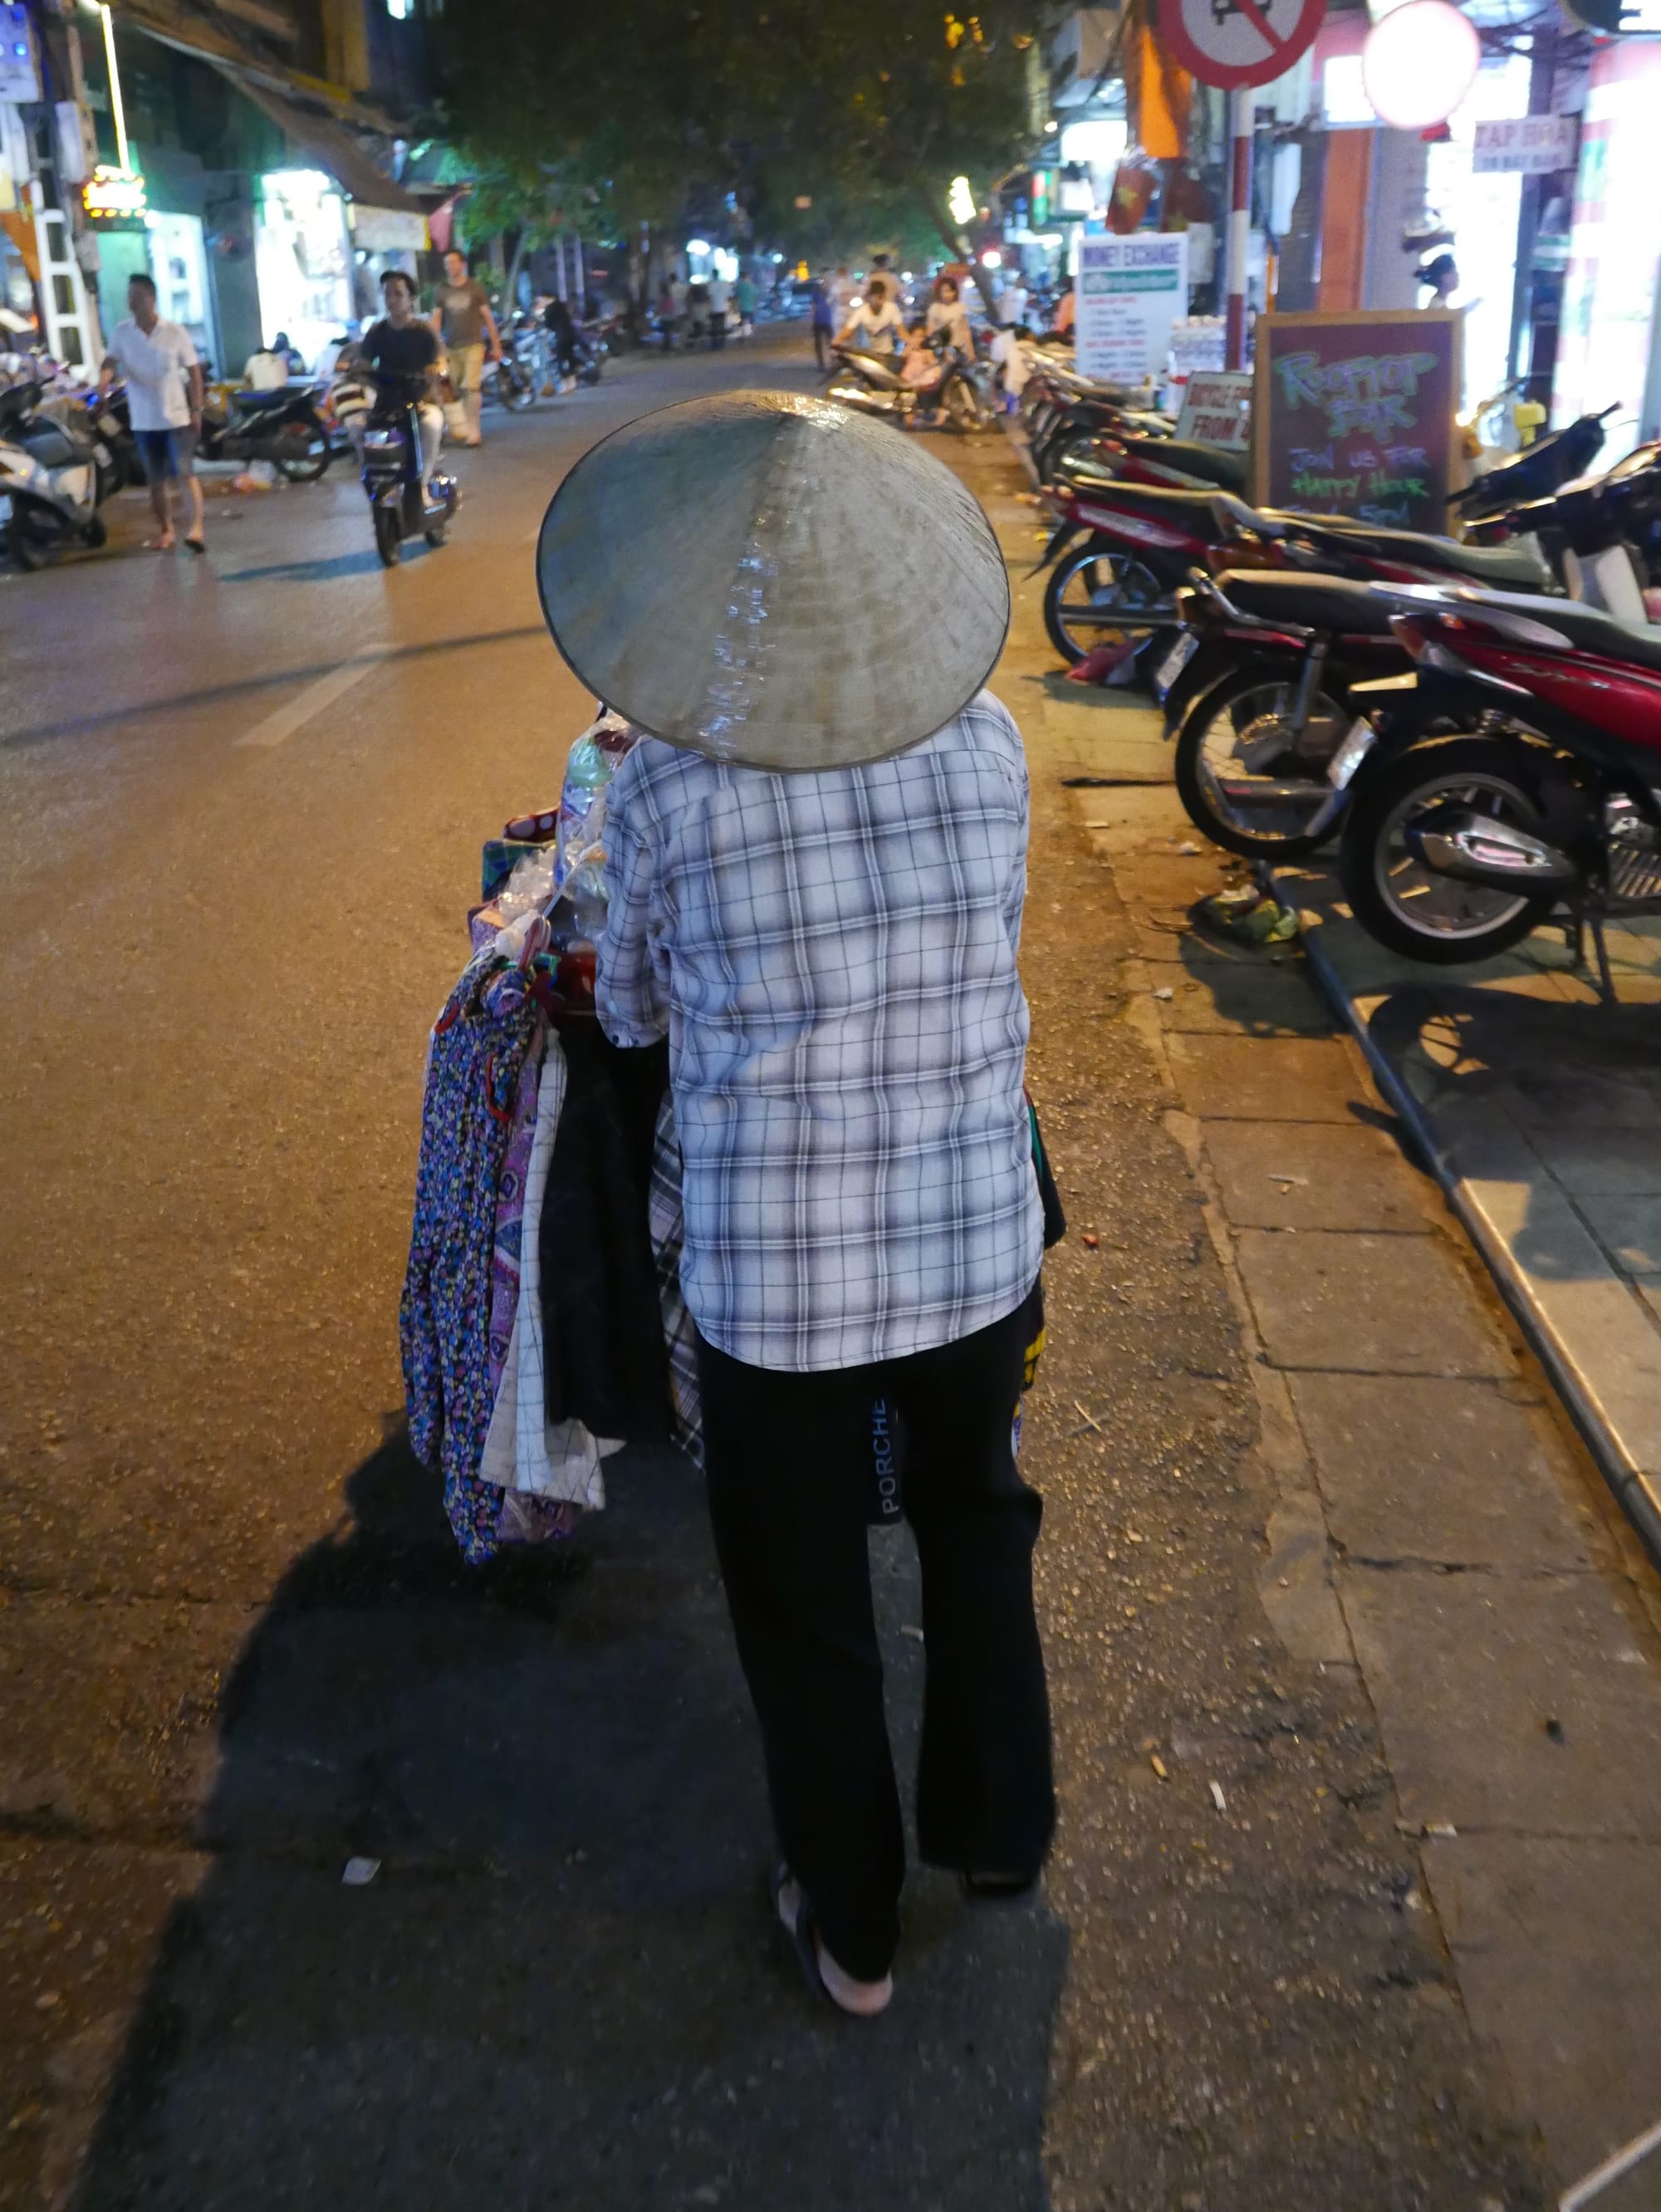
(401, 345)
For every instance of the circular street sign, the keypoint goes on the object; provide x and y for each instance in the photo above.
(1234, 43)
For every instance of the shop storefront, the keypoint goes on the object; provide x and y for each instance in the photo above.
(1606, 349)
(303, 257)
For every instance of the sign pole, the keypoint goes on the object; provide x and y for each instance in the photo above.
(1241, 118)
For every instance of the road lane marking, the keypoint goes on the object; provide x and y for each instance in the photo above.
(308, 704)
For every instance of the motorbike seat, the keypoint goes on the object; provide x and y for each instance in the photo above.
(50, 445)
(1501, 568)
(1588, 629)
(1210, 463)
(254, 403)
(1200, 513)
(1329, 603)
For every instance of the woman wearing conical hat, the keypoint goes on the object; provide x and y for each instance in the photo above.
(817, 858)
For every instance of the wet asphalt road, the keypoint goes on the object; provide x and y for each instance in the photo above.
(235, 1648)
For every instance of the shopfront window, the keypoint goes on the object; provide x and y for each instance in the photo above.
(178, 263)
(302, 257)
(1481, 213)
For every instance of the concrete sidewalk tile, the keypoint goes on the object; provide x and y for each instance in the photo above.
(1431, 1469)
(1574, 1096)
(1266, 1078)
(1244, 1001)
(1555, 1945)
(1601, 1330)
(1321, 1177)
(1380, 1305)
(1509, 1703)
(1160, 876)
(1630, 1228)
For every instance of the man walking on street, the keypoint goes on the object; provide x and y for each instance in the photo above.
(720, 298)
(164, 400)
(464, 320)
(816, 889)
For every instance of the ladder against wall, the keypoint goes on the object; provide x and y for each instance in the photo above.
(72, 332)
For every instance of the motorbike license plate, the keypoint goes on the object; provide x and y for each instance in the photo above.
(1174, 662)
(1351, 753)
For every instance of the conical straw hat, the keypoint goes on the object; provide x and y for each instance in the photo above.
(774, 581)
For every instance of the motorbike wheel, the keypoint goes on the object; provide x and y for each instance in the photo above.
(436, 532)
(1411, 908)
(1103, 582)
(304, 453)
(27, 551)
(97, 532)
(1242, 775)
(519, 391)
(389, 539)
(589, 373)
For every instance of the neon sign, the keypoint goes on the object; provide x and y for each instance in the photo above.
(110, 191)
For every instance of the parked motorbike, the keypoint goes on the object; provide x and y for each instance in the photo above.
(1537, 472)
(1525, 774)
(53, 478)
(1263, 684)
(874, 385)
(284, 427)
(511, 382)
(391, 472)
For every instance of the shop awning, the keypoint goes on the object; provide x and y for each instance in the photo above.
(332, 147)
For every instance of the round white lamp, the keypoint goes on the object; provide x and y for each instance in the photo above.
(1418, 63)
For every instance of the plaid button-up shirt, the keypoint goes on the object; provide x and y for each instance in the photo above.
(833, 958)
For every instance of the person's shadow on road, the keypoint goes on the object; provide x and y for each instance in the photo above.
(560, 1987)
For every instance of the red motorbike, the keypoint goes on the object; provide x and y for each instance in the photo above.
(1520, 775)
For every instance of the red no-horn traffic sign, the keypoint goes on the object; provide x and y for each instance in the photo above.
(1234, 43)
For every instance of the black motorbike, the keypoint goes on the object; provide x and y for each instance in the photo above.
(284, 427)
(391, 471)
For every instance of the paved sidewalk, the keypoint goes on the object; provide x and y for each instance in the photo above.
(1433, 1526)
(1540, 1109)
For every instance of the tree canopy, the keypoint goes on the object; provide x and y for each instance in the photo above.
(669, 115)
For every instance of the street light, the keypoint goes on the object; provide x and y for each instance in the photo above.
(961, 200)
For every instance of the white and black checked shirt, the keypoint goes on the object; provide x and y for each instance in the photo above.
(833, 956)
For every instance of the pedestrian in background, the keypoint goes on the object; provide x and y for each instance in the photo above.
(720, 298)
(816, 891)
(556, 320)
(464, 320)
(947, 312)
(875, 324)
(165, 392)
(821, 312)
(744, 301)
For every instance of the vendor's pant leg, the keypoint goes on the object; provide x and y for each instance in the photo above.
(985, 1796)
(788, 1459)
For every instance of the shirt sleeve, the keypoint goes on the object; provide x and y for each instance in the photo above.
(1015, 890)
(632, 980)
(188, 356)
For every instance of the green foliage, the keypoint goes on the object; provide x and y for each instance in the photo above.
(868, 108)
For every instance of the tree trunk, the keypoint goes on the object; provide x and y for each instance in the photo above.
(959, 248)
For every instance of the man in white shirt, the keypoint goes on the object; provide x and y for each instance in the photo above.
(876, 325)
(1010, 306)
(720, 298)
(164, 399)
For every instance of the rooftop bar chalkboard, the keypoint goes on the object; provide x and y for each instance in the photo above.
(1354, 414)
